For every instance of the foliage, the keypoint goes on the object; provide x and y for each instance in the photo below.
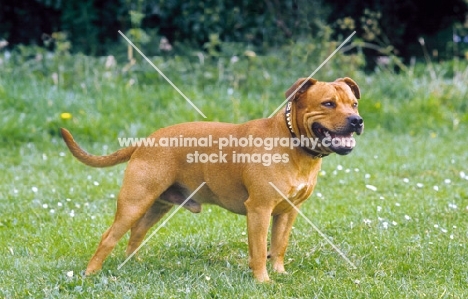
(400, 24)
(92, 25)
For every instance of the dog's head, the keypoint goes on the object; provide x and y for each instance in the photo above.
(327, 112)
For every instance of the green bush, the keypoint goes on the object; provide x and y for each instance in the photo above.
(92, 26)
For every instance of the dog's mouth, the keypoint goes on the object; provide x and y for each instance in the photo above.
(341, 142)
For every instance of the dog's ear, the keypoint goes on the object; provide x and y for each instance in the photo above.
(306, 83)
(354, 87)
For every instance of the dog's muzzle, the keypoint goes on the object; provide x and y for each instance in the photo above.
(356, 123)
(340, 141)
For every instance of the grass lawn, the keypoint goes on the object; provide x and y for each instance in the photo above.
(397, 205)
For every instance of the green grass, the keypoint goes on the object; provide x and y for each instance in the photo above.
(407, 239)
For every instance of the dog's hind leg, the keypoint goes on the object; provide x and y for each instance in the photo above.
(172, 196)
(136, 197)
(122, 223)
(141, 227)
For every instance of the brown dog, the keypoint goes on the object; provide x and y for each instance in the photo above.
(237, 175)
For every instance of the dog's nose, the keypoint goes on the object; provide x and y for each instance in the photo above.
(356, 123)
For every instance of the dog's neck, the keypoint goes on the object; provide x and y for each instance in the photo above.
(288, 118)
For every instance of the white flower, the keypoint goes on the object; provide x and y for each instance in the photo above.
(3, 43)
(436, 188)
(447, 181)
(407, 217)
(34, 189)
(367, 221)
(406, 180)
(371, 187)
(419, 185)
(70, 274)
(452, 206)
(110, 62)
(250, 53)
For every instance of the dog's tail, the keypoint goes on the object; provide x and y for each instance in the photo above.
(120, 156)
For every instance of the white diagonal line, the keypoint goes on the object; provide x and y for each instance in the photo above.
(164, 76)
(313, 73)
(161, 225)
(315, 227)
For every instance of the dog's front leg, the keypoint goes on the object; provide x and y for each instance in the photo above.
(258, 220)
(280, 231)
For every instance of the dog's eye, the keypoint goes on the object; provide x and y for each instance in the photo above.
(328, 104)
(355, 105)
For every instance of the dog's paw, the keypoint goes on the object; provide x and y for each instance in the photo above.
(91, 270)
(262, 277)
